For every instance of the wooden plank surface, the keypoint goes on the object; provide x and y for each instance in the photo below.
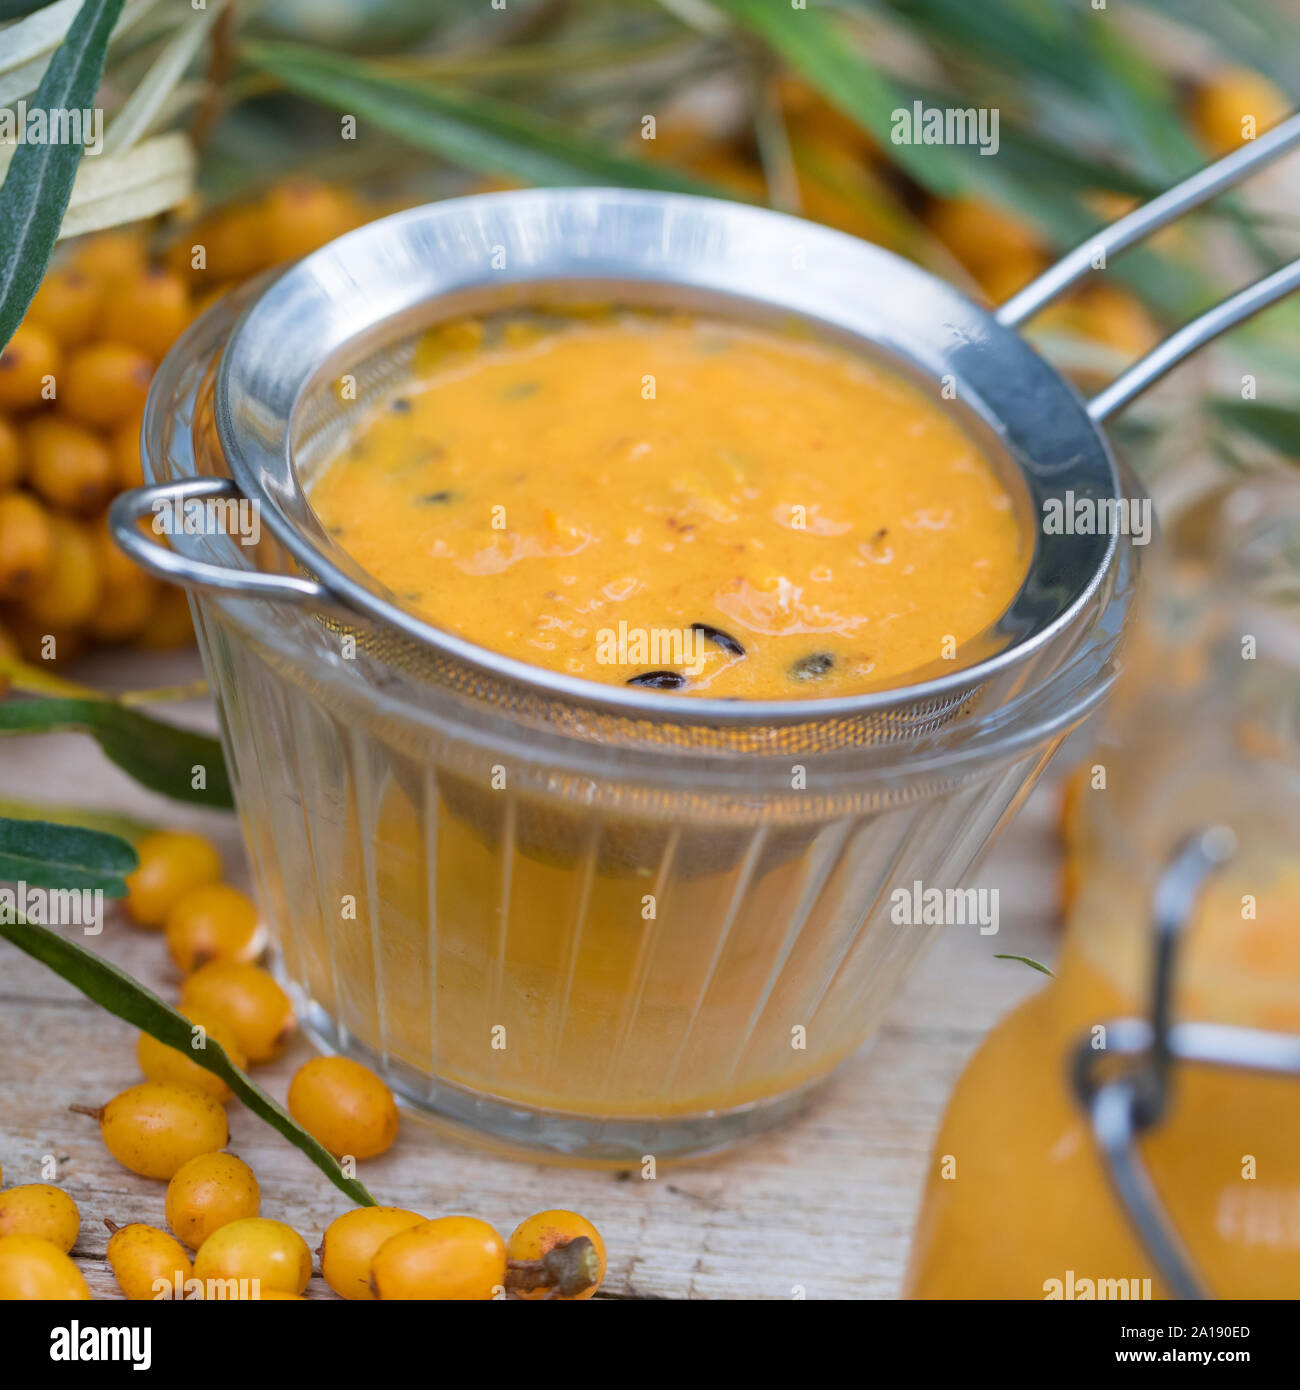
(825, 1205)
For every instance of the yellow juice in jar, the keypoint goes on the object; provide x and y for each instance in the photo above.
(601, 1011)
(544, 482)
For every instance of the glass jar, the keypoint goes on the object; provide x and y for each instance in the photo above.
(1192, 1031)
(557, 945)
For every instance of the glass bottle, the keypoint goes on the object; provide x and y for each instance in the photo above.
(1036, 1188)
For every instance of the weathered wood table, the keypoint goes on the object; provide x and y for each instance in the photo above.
(825, 1206)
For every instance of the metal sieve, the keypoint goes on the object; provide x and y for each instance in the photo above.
(359, 305)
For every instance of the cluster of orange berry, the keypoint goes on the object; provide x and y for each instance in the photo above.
(73, 382)
(368, 1253)
(1004, 254)
(172, 1128)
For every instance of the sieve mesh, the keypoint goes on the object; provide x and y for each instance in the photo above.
(323, 423)
(359, 305)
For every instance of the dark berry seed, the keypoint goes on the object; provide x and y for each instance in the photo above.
(808, 668)
(658, 680)
(719, 638)
(432, 498)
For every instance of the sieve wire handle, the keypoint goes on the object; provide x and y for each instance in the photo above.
(129, 509)
(1168, 207)
(1146, 371)
(1160, 212)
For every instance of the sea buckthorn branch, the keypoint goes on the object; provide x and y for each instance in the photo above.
(49, 855)
(180, 763)
(115, 990)
(39, 181)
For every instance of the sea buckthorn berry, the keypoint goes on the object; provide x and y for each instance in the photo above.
(1109, 315)
(70, 467)
(1000, 279)
(67, 305)
(123, 611)
(129, 595)
(455, 1258)
(172, 862)
(111, 256)
(105, 383)
(26, 544)
(344, 1105)
(352, 1241)
(43, 643)
(213, 922)
(148, 1263)
(256, 1248)
(30, 358)
(209, 1192)
(11, 455)
(258, 1011)
(304, 214)
(124, 445)
(8, 651)
(170, 624)
(1234, 102)
(46, 644)
(212, 295)
(39, 1209)
(117, 567)
(233, 241)
(34, 1270)
(70, 590)
(154, 1128)
(149, 311)
(555, 1255)
(162, 1063)
(981, 234)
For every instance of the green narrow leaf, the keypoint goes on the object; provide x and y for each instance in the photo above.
(64, 856)
(473, 131)
(39, 182)
(1259, 33)
(159, 756)
(143, 105)
(1139, 98)
(29, 44)
(1028, 960)
(15, 9)
(1017, 36)
(1276, 425)
(115, 990)
(126, 828)
(148, 178)
(813, 42)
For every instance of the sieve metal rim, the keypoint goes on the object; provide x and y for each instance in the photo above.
(353, 598)
(378, 277)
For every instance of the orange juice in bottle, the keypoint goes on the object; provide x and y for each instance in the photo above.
(1133, 1130)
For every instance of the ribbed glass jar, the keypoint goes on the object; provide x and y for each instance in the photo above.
(600, 952)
